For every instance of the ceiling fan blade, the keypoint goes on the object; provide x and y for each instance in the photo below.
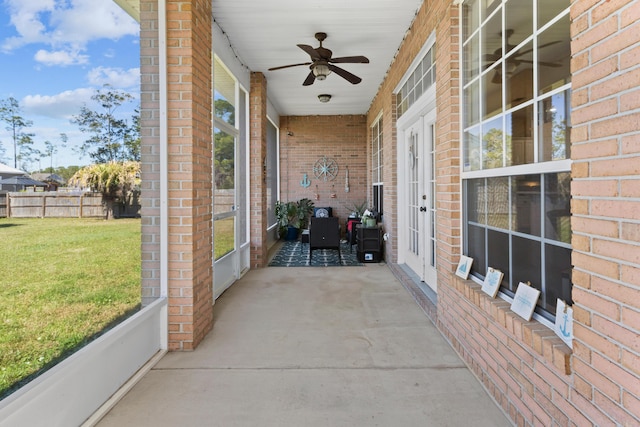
(351, 78)
(310, 51)
(545, 64)
(288, 66)
(350, 59)
(491, 57)
(310, 79)
(539, 47)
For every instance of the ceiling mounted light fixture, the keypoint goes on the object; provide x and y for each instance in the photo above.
(321, 71)
(325, 97)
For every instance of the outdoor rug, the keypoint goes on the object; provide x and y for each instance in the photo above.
(296, 254)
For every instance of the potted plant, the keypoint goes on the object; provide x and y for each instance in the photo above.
(357, 209)
(368, 219)
(291, 216)
(305, 209)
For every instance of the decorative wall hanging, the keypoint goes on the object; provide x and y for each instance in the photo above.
(464, 266)
(325, 169)
(525, 300)
(564, 322)
(305, 182)
(346, 179)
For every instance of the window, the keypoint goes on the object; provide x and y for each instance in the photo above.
(271, 166)
(376, 165)
(516, 153)
(226, 134)
(422, 78)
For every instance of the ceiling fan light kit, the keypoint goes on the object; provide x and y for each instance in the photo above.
(322, 63)
(321, 71)
(325, 97)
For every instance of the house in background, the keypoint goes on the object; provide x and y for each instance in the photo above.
(8, 171)
(507, 131)
(52, 180)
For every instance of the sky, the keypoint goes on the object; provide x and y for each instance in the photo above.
(54, 55)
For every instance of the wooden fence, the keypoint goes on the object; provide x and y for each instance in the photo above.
(53, 204)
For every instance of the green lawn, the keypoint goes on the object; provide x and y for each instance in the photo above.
(62, 282)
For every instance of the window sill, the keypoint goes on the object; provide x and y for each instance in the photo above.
(537, 337)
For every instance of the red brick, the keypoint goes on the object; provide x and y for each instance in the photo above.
(614, 410)
(596, 265)
(595, 303)
(631, 362)
(631, 403)
(622, 292)
(594, 35)
(617, 43)
(595, 226)
(595, 188)
(617, 167)
(617, 209)
(594, 341)
(618, 250)
(615, 125)
(630, 188)
(617, 333)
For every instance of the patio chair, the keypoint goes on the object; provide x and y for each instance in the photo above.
(324, 233)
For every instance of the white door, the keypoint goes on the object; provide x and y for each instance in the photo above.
(420, 215)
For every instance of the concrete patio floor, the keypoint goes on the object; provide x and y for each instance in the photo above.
(313, 346)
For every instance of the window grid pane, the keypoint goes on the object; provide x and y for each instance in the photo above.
(419, 81)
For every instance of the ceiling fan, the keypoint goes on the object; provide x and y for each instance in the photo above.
(321, 64)
(513, 61)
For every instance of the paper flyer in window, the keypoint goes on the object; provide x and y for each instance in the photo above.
(564, 322)
(525, 300)
(464, 267)
(492, 282)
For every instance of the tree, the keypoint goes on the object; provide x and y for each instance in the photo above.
(11, 114)
(224, 157)
(26, 153)
(51, 148)
(110, 136)
(115, 180)
(132, 137)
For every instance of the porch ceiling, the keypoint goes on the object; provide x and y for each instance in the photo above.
(264, 34)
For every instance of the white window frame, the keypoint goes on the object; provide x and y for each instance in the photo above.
(536, 168)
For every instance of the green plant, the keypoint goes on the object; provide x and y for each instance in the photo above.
(305, 209)
(115, 180)
(293, 214)
(286, 215)
(358, 208)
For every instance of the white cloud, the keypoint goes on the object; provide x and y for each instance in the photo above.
(60, 57)
(66, 25)
(116, 77)
(26, 17)
(64, 105)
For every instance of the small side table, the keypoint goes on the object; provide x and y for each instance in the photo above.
(304, 238)
(369, 243)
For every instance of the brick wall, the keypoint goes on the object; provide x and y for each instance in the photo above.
(304, 140)
(257, 156)
(606, 211)
(439, 17)
(150, 148)
(533, 376)
(189, 174)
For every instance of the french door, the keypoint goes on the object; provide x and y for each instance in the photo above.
(420, 195)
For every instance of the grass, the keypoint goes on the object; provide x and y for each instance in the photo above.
(224, 241)
(63, 282)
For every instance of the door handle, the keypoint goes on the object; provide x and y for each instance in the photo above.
(423, 208)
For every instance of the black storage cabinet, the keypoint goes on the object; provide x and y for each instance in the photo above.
(369, 243)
